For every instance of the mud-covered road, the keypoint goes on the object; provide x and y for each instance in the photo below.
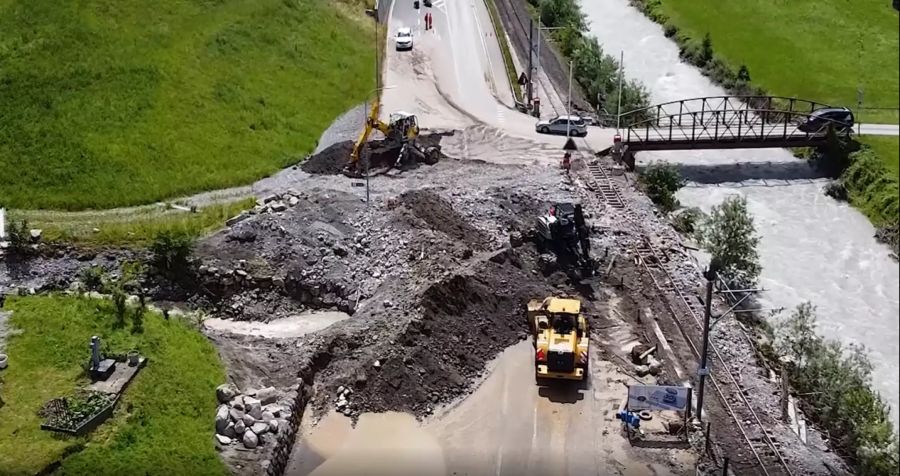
(508, 426)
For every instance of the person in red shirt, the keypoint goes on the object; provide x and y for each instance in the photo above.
(567, 162)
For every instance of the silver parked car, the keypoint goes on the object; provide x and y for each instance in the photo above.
(404, 39)
(561, 124)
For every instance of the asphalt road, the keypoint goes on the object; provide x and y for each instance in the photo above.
(455, 76)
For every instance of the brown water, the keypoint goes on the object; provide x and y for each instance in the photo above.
(508, 426)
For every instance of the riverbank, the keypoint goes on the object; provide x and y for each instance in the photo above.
(739, 58)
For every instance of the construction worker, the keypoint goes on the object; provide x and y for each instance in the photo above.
(567, 161)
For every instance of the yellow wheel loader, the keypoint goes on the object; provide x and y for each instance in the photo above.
(398, 147)
(561, 338)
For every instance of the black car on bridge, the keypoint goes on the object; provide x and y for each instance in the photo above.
(839, 117)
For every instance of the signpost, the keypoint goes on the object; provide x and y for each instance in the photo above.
(658, 397)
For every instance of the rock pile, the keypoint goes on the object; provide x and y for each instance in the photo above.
(249, 418)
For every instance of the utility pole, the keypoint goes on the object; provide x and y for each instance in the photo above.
(619, 107)
(530, 59)
(703, 371)
(569, 103)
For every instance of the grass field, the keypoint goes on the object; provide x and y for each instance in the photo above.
(819, 50)
(888, 150)
(163, 424)
(123, 102)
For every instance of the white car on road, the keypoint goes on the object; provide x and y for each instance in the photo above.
(404, 39)
(560, 124)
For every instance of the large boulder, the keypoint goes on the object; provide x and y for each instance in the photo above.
(226, 392)
(273, 426)
(267, 395)
(235, 414)
(253, 406)
(229, 431)
(250, 440)
(240, 427)
(222, 420)
(260, 427)
(223, 440)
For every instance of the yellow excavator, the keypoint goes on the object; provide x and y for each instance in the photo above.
(561, 338)
(400, 145)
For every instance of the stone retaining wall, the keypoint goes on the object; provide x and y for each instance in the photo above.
(285, 442)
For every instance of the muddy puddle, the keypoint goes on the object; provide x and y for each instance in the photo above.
(294, 326)
(507, 426)
(381, 444)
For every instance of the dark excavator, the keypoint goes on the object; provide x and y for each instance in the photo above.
(564, 231)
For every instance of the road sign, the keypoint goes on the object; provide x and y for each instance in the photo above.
(570, 145)
(523, 79)
(657, 397)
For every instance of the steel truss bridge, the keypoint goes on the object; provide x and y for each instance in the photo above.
(726, 122)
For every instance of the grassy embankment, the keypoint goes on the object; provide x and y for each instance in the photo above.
(511, 75)
(118, 103)
(823, 51)
(130, 227)
(163, 424)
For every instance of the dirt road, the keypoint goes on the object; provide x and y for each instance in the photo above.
(508, 426)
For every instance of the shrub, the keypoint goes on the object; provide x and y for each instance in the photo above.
(729, 235)
(706, 50)
(19, 238)
(687, 220)
(92, 278)
(853, 413)
(171, 252)
(660, 181)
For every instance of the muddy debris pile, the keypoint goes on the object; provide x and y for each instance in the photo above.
(428, 354)
(334, 159)
(328, 251)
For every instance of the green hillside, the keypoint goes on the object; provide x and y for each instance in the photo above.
(821, 50)
(120, 102)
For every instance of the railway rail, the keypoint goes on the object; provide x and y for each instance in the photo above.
(764, 456)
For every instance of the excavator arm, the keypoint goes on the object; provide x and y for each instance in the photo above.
(372, 122)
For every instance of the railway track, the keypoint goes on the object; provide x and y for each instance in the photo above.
(687, 311)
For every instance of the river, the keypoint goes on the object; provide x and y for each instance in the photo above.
(813, 248)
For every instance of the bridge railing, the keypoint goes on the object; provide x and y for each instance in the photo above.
(781, 108)
(750, 125)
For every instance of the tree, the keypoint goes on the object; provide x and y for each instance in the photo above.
(729, 235)
(836, 382)
(660, 181)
